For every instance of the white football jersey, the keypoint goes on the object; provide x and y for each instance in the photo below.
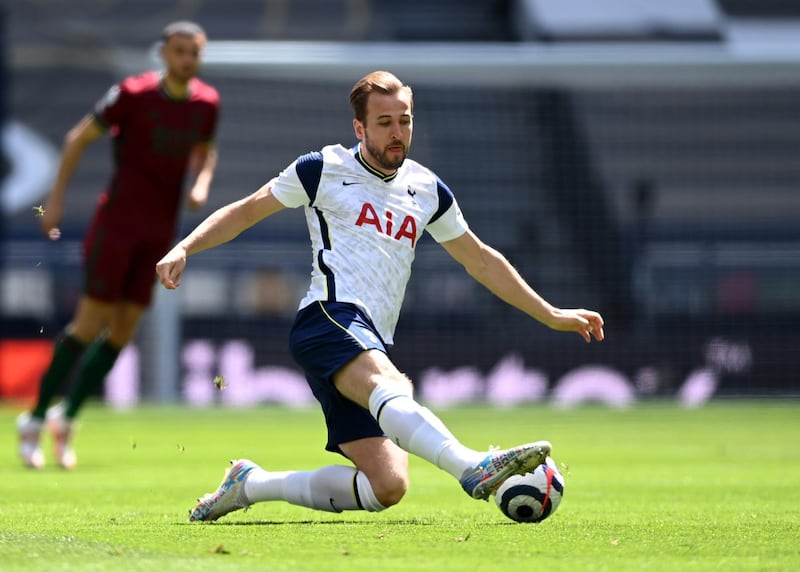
(364, 227)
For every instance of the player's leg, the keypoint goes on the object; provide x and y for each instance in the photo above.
(119, 283)
(70, 346)
(99, 359)
(372, 381)
(92, 321)
(122, 284)
(89, 321)
(358, 386)
(123, 318)
(378, 481)
(384, 465)
(356, 360)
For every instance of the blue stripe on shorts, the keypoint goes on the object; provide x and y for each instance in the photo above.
(325, 337)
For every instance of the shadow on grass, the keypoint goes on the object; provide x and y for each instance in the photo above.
(396, 522)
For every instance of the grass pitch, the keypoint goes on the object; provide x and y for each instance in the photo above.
(655, 487)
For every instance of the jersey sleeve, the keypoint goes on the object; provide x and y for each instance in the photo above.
(297, 184)
(210, 124)
(112, 107)
(214, 106)
(448, 222)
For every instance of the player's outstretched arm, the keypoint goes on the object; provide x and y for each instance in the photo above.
(495, 272)
(82, 134)
(223, 225)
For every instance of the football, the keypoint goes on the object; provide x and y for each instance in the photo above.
(534, 496)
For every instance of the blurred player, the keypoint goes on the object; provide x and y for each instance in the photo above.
(366, 208)
(162, 126)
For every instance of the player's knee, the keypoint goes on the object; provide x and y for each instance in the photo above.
(390, 489)
(119, 339)
(120, 334)
(403, 382)
(86, 328)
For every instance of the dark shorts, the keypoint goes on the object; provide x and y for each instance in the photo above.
(325, 337)
(119, 266)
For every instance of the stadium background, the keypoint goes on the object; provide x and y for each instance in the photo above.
(637, 160)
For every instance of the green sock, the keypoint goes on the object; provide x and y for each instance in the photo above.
(67, 350)
(100, 358)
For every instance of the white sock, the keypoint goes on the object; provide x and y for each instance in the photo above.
(333, 488)
(418, 430)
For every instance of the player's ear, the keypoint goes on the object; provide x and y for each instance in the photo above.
(358, 127)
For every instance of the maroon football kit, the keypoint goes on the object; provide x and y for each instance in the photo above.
(152, 135)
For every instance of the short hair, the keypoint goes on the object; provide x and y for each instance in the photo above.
(182, 28)
(378, 81)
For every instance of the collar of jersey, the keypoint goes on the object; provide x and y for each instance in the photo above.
(162, 86)
(370, 168)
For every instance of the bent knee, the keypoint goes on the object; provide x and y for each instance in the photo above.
(390, 490)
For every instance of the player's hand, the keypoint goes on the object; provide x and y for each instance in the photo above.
(170, 268)
(587, 323)
(50, 219)
(197, 198)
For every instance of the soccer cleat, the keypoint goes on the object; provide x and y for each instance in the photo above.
(29, 429)
(485, 478)
(61, 430)
(228, 497)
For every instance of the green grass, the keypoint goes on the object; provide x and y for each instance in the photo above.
(655, 487)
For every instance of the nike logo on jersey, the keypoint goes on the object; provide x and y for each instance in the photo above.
(334, 507)
(348, 183)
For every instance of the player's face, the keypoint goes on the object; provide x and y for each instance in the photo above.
(386, 131)
(182, 56)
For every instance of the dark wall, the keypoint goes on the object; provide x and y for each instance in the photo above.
(4, 79)
(760, 8)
